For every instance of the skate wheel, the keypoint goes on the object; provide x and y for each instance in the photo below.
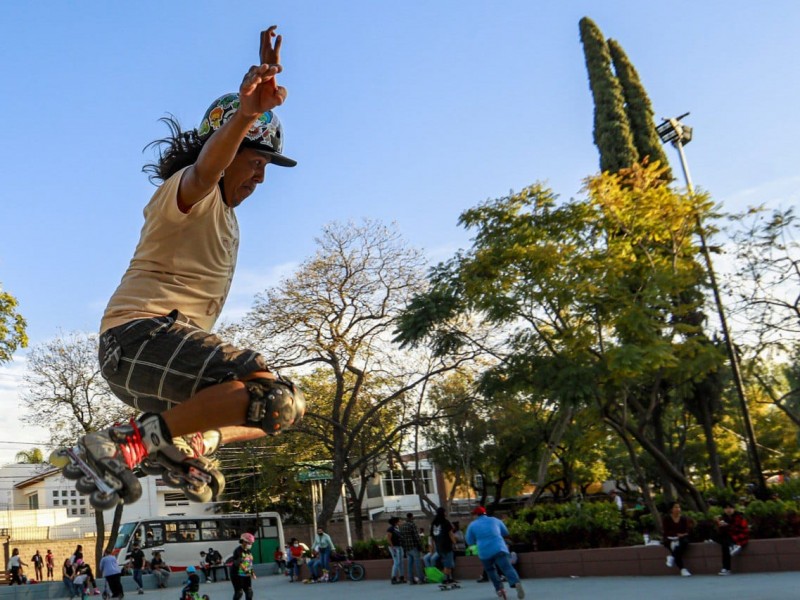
(85, 485)
(151, 467)
(217, 484)
(131, 488)
(59, 458)
(205, 597)
(72, 472)
(201, 495)
(171, 480)
(102, 501)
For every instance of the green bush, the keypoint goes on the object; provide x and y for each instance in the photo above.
(789, 490)
(564, 526)
(773, 518)
(370, 549)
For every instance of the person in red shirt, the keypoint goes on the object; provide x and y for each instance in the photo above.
(733, 534)
(295, 557)
(676, 537)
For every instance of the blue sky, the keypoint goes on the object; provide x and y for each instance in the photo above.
(408, 112)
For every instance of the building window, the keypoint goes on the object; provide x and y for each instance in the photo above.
(399, 483)
(55, 502)
(33, 501)
(83, 511)
(63, 492)
(55, 493)
(175, 499)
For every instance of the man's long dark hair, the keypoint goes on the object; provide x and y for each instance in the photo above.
(176, 151)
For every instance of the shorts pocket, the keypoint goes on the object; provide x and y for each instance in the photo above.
(110, 354)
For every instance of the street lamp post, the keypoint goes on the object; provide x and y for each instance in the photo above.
(676, 133)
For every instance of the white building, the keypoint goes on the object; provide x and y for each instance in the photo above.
(40, 503)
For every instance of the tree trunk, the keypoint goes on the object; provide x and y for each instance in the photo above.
(562, 422)
(711, 448)
(100, 525)
(641, 477)
(115, 523)
(674, 475)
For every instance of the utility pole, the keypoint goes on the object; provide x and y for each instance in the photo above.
(678, 134)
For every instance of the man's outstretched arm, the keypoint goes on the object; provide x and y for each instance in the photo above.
(258, 93)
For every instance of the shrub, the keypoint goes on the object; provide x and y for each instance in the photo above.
(563, 526)
(370, 549)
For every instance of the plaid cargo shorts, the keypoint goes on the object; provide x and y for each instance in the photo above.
(155, 363)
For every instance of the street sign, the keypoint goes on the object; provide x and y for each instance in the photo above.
(316, 472)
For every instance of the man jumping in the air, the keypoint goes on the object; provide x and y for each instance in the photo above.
(156, 352)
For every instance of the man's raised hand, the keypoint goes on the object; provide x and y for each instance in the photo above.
(270, 54)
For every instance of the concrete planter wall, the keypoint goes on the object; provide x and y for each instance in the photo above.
(782, 554)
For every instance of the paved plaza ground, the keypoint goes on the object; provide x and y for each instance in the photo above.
(760, 586)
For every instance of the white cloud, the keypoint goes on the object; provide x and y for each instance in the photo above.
(14, 435)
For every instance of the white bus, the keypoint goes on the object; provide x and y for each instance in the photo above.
(181, 539)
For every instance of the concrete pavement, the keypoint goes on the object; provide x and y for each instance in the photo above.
(756, 586)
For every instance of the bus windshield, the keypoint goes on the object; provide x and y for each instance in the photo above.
(124, 535)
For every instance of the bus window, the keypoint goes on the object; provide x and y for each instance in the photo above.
(172, 532)
(187, 531)
(209, 531)
(154, 535)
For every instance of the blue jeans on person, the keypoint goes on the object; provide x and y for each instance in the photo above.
(397, 561)
(137, 578)
(294, 568)
(414, 564)
(503, 562)
(70, 585)
(325, 558)
(429, 560)
(314, 568)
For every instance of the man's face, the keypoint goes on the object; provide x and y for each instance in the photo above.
(243, 175)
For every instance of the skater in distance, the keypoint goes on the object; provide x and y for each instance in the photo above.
(156, 351)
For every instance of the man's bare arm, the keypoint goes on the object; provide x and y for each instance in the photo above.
(258, 93)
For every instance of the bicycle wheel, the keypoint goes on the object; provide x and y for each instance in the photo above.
(333, 576)
(356, 572)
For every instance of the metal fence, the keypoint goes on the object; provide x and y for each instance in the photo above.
(55, 532)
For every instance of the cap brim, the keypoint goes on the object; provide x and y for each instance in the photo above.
(281, 160)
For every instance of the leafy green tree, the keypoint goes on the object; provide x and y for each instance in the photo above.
(612, 131)
(592, 295)
(639, 110)
(12, 327)
(33, 456)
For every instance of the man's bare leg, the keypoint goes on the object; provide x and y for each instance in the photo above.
(222, 406)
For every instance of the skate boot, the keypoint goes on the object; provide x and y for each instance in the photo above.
(102, 462)
(197, 446)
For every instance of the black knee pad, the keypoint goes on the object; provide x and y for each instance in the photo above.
(248, 594)
(275, 405)
(237, 594)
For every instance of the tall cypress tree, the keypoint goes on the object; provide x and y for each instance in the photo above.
(612, 133)
(638, 108)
